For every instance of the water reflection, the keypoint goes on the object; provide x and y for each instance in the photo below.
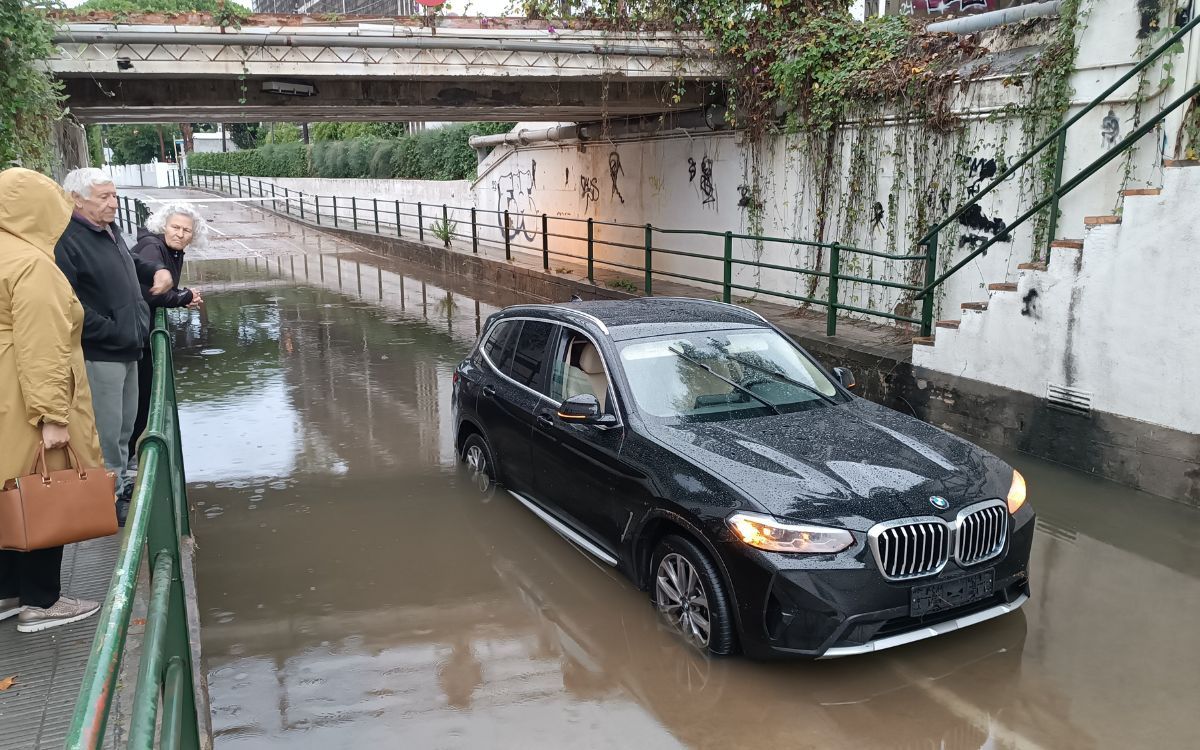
(358, 588)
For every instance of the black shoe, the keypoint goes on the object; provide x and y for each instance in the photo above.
(122, 512)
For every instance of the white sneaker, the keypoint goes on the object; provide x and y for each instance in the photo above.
(66, 610)
(10, 607)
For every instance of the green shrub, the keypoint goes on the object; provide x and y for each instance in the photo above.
(358, 156)
(380, 167)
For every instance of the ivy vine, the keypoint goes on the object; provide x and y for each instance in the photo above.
(30, 100)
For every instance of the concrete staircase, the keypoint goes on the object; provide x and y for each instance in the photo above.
(1105, 321)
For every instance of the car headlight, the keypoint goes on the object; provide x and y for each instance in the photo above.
(1016, 493)
(764, 532)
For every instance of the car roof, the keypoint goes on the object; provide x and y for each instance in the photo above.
(650, 316)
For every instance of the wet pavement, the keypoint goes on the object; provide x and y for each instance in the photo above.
(357, 589)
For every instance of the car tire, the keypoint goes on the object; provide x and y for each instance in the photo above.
(477, 455)
(671, 562)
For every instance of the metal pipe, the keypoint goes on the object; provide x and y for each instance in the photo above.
(68, 35)
(525, 136)
(992, 19)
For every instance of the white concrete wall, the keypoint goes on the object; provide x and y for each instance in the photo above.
(1119, 319)
(158, 174)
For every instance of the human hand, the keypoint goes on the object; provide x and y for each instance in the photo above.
(197, 300)
(54, 435)
(162, 281)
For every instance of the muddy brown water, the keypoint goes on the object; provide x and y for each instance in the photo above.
(358, 590)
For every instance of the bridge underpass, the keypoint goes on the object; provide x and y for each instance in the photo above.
(143, 73)
(356, 587)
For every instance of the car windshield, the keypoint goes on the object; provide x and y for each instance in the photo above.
(716, 375)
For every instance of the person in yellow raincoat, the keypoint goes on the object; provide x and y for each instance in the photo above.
(44, 394)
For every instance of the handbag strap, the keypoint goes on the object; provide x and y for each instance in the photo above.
(39, 459)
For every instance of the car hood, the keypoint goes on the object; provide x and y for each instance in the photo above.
(850, 465)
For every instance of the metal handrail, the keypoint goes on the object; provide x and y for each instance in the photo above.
(429, 216)
(156, 526)
(930, 239)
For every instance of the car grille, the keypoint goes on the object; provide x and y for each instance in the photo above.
(921, 546)
(912, 549)
(981, 535)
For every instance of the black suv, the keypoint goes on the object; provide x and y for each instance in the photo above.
(695, 447)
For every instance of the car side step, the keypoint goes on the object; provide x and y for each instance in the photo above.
(570, 534)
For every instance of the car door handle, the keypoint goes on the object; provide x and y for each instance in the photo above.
(489, 391)
(544, 420)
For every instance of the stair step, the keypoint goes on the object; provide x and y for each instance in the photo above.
(1095, 221)
(1005, 287)
(922, 340)
(1141, 191)
(948, 323)
(1181, 162)
(1037, 266)
(1068, 244)
(974, 305)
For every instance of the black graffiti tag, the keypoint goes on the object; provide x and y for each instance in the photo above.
(614, 169)
(707, 189)
(691, 169)
(876, 216)
(589, 190)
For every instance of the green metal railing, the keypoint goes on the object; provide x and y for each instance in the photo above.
(155, 531)
(542, 232)
(1057, 138)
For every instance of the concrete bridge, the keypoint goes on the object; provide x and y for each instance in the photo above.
(159, 73)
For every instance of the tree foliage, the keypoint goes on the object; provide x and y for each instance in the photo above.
(442, 154)
(139, 144)
(30, 101)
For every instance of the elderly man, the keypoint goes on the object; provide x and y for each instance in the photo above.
(105, 276)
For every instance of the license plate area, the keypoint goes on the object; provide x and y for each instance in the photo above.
(939, 597)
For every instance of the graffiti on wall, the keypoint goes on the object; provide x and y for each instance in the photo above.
(589, 190)
(708, 189)
(977, 226)
(979, 171)
(1110, 129)
(615, 170)
(876, 216)
(514, 193)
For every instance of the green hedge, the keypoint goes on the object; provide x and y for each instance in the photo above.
(442, 154)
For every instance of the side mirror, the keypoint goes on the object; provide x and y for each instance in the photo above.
(584, 409)
(845, 377)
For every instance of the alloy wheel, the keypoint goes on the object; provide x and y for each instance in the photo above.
(680, 597)
(477, 463)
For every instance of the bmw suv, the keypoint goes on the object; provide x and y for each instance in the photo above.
(764, 506)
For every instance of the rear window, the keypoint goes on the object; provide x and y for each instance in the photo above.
(500, 343)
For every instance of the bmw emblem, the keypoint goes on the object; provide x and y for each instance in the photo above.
(939, 502)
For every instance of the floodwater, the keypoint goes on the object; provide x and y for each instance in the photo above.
(357, 589)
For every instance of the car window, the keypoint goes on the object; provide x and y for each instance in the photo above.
(578, 369)
(723, 375)
(501, 342)
(530, 355)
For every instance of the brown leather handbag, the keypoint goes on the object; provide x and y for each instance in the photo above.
(52, 508)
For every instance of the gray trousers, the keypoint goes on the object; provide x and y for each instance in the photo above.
(115, 400)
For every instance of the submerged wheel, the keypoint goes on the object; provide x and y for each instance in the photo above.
(689, 594)
(478, 457)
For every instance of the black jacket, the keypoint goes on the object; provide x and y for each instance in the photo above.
(153, 247)
(105, 275)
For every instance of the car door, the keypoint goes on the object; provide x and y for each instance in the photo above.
(510, 394)
(579, 471)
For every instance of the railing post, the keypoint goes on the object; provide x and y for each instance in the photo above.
(727, 287)
(287, 203)
(354, 211)
(835, 268)
(1052, 228)
(375, 211)
(545, 242)
(507, 238)
(301, 203)
(474, 233)
(446, 225)
(649, 254)
(317, 208)
(398, 232)
(420, 222)
(591, 251)
(930, 277)
(335, 211)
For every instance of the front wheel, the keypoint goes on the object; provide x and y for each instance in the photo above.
(478, 457)
(689, 594)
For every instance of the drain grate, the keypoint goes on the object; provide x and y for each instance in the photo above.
(1072, 400)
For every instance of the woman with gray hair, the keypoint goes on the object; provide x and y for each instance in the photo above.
(168, 232)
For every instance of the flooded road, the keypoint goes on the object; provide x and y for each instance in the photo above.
(357, 589)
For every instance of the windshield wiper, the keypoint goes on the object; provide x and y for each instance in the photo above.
(697, 363)
(782, 378)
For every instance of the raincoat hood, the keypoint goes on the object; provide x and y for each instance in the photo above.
(33, 208)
